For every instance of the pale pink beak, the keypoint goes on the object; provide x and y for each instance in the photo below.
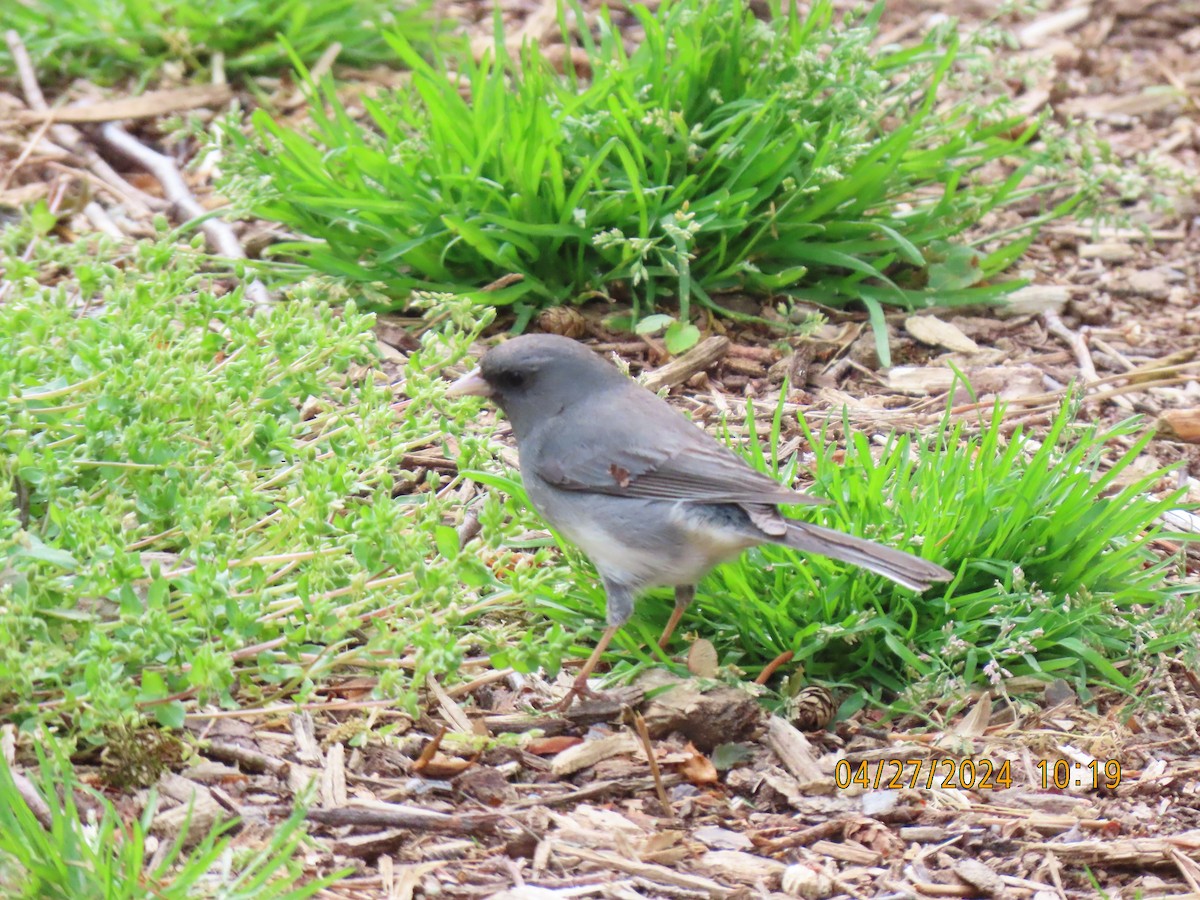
(470, 385)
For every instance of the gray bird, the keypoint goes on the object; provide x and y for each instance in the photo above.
(649, 497)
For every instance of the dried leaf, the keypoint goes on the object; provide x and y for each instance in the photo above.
(873, 835)
(548, 746)
(975, 723)
(1180, 425)
(442, 766)
(698, 768)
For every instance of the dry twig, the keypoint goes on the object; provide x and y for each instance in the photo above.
(163, 168)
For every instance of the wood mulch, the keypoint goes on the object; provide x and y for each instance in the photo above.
(698, 792)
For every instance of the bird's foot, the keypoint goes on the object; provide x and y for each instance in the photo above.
(578, 689)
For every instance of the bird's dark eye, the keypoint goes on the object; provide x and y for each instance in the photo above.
(510, 380)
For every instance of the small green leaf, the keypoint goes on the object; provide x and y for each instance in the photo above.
(681, 336)
(170, 715)
(447, 541)
(654, 324)
(153, 685)
(36, 550)
(43, 220)
(726, 756)
(953, 267)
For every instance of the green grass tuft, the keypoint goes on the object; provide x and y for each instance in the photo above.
(723, 153)
(108, 39)
(103, 857)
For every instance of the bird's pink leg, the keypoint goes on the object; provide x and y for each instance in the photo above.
(683, 599)
(580, 687)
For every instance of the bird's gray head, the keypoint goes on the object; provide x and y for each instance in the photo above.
(537, 375)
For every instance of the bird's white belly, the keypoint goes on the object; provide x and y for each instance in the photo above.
(680, 558)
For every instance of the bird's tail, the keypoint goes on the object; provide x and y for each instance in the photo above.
(902, 568)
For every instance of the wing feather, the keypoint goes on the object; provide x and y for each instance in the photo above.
(652, 452)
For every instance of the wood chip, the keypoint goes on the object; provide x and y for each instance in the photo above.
(517, 723)
(453, 714)
(1095, 231)
(979, 876)
(702, 659)
(920, 381)
(936, 333)
(848, 852)
(1148, 283)
(1037, 31)
(1181, 520)
(587, 754)
(1007, 382)
(367, 846)
(197, 809)
(1035, 299)
(716, 838)
(304, 736)
(532, 892)
(802, 880)
(737, 865)
(485, 784)
(651, 871)
(1108, 251)
(1125, 852)
(797, 756)
(248, 759)
(301, 777)
(333, 778)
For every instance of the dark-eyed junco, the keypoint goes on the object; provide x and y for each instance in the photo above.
(649, 497)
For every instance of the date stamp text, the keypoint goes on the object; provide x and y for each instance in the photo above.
(973, 774)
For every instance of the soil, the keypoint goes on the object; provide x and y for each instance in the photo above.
(698, 792)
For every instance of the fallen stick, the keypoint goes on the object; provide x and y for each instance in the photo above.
(143, 106)
(138, 202)
(219, 233)
(677, 371)
(1077, 342)
(411, 817)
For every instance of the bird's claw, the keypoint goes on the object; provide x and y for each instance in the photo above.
(578, 689)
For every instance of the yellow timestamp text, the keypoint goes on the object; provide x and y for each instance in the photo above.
(1090, 776)
(973, 774)
(896, 774)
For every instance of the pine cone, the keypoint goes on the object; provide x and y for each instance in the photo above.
(813, 708)
(564, 320)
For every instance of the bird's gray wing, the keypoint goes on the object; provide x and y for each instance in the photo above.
(635, 445)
